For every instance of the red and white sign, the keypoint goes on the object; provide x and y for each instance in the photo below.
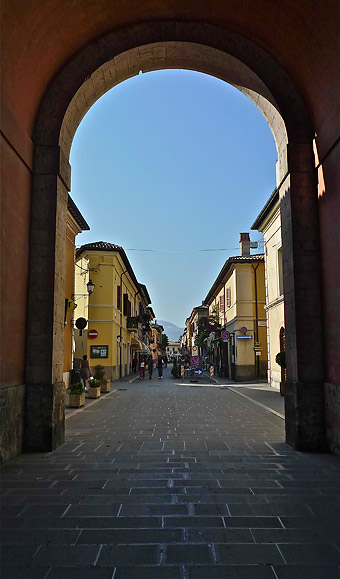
(92, 334)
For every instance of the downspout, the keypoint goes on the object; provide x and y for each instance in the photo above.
(257, 361)
(121, 322)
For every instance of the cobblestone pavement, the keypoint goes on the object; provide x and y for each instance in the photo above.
(163, 481)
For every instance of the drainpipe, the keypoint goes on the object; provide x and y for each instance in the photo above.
(121, 322)
(257, 361)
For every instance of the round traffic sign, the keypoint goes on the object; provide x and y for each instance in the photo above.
(225, 335)
(92, 334)
(81, 323)
(194, 360)
(194, 350)
(198, 371)
(243, 330)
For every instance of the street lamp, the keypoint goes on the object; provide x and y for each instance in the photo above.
(90, 287)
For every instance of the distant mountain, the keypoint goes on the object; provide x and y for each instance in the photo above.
(173, 332)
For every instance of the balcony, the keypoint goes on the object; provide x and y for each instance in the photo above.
(133, 323)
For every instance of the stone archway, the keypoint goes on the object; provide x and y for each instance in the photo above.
(92, 72)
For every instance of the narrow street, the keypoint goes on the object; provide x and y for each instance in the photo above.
(160, 480)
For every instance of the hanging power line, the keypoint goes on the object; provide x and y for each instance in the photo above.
(186, 250)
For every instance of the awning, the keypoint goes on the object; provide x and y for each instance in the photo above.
(140, 346)
(136, 344)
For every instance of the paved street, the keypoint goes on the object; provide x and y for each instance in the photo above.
(160, 480)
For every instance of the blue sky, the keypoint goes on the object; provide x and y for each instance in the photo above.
(173, 160)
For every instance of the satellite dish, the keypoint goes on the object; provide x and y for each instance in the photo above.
(81, 323)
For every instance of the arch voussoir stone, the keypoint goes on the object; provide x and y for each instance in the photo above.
(212, 50)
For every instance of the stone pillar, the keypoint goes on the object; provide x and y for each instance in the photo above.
(45, 391)
(304, 394)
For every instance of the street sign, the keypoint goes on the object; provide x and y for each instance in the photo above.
(244, 337)
(194, 360)
(194, 350)
(243, 330)
(92, 334)
(198, 371)
(225, 336)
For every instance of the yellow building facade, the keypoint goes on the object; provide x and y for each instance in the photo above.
(269, 224)
(75, 224)
(236, 303)
(116, 310)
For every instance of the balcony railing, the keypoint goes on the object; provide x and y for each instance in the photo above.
(133, 323)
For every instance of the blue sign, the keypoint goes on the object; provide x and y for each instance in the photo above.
(244, 337)
(225, 336)
(198, 371)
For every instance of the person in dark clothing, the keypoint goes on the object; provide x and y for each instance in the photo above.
(160, 366)
(150, 364)
(85, 370)
(165, 361)
(134, 363)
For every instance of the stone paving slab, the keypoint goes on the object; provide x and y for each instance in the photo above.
(172, 482)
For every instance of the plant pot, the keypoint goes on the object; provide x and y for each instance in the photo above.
(282, 388)
(94, 392)
(105, 386)
(77, 400)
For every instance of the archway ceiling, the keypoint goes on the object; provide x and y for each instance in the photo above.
(170, 55)
(39, 38)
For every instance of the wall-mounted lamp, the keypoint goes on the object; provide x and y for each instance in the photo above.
(90, 286)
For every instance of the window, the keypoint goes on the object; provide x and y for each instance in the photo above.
(228, 297)
(125, 304)
(279, 271)
(119, 293)
(221, 303)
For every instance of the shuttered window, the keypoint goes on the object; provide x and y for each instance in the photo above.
(125, 304)
(228, 297)
(119, 294)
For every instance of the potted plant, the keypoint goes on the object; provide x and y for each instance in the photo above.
(77, 395)
(280, 359)
(176, 370)
(99, 374)
(94, 388)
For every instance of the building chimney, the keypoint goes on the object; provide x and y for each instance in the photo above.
(244, 244)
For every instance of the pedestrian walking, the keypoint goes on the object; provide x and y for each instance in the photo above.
(160, 366)
(134, 363)
(150, 364)
(85, 370)
(142, 369)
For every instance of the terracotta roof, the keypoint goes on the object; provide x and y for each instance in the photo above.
(227, 266)
(99, 245)
(106, 246)
(146, 293)
(77, 216)
(273, 199)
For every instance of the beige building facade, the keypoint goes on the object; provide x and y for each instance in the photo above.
(269, 224)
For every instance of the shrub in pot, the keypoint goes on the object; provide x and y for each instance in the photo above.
(77, 395)
(280, 359)
(99, 374)
(176, 370)
(94, 388)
